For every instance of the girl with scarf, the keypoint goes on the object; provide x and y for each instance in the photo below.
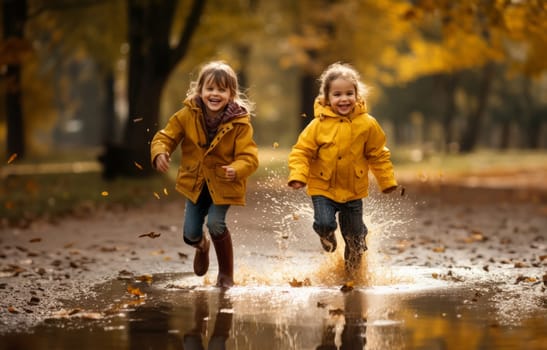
(218, 154)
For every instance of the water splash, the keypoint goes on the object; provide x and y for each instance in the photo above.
(284, 220)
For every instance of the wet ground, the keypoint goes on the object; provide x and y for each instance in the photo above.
(448, 267)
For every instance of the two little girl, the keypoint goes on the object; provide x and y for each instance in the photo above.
(332, 157)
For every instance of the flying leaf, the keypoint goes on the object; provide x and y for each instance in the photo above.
(156, 195)
(165, 191)
(275, 145)
(138, 165)
(104, 193)
(12, 158)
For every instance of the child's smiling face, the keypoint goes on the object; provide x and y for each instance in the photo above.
(215, 97)
(342, 96)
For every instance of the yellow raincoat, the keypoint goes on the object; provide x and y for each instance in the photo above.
(233, 145)
(334, 153)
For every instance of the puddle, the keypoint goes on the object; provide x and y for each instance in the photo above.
(172, 314)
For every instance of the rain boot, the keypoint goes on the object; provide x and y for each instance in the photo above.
(353, 253)
(225, 257)
(201, 259)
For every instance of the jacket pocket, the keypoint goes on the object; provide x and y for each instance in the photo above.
(228, 188)
(320, 175)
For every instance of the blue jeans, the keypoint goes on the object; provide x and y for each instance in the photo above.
(194, 217)
(350, 215)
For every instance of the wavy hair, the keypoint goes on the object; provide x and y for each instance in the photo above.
(344, 71)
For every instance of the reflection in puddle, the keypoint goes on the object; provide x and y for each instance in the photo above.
(283, 317)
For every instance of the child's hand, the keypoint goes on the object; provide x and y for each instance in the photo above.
(229, 172)
(297, 185)
(162, 162)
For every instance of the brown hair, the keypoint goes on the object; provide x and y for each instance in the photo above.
(221, 74)
(344, 71)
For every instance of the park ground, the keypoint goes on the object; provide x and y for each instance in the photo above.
(484, 226)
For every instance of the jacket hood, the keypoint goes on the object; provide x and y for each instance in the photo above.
(321, 111)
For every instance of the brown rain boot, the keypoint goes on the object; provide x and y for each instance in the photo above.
(353, 253)
(225, 257)
(201, 259)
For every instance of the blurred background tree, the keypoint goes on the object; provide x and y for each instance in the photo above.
(104, 75)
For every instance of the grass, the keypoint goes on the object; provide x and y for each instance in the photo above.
(24, 198)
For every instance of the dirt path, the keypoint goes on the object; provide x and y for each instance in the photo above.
(492, 235)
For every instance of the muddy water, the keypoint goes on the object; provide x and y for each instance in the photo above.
(172, 315)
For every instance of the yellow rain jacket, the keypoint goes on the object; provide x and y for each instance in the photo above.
(334, 153)
(201, 162)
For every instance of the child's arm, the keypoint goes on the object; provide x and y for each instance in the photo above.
(379, 159)
(300, 156)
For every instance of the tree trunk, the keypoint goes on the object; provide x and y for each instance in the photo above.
(151, 60)
(15, 12)
(308, 92)
(505, 134)
(471, 134)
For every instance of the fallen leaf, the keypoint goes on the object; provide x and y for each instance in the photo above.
(183, 255)
(295, 283)
(12, 310)
(439, 249)
(526, 279)
(275, 145)
(145, 278)
(151, 234)
(135, 291)
(35, 240)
